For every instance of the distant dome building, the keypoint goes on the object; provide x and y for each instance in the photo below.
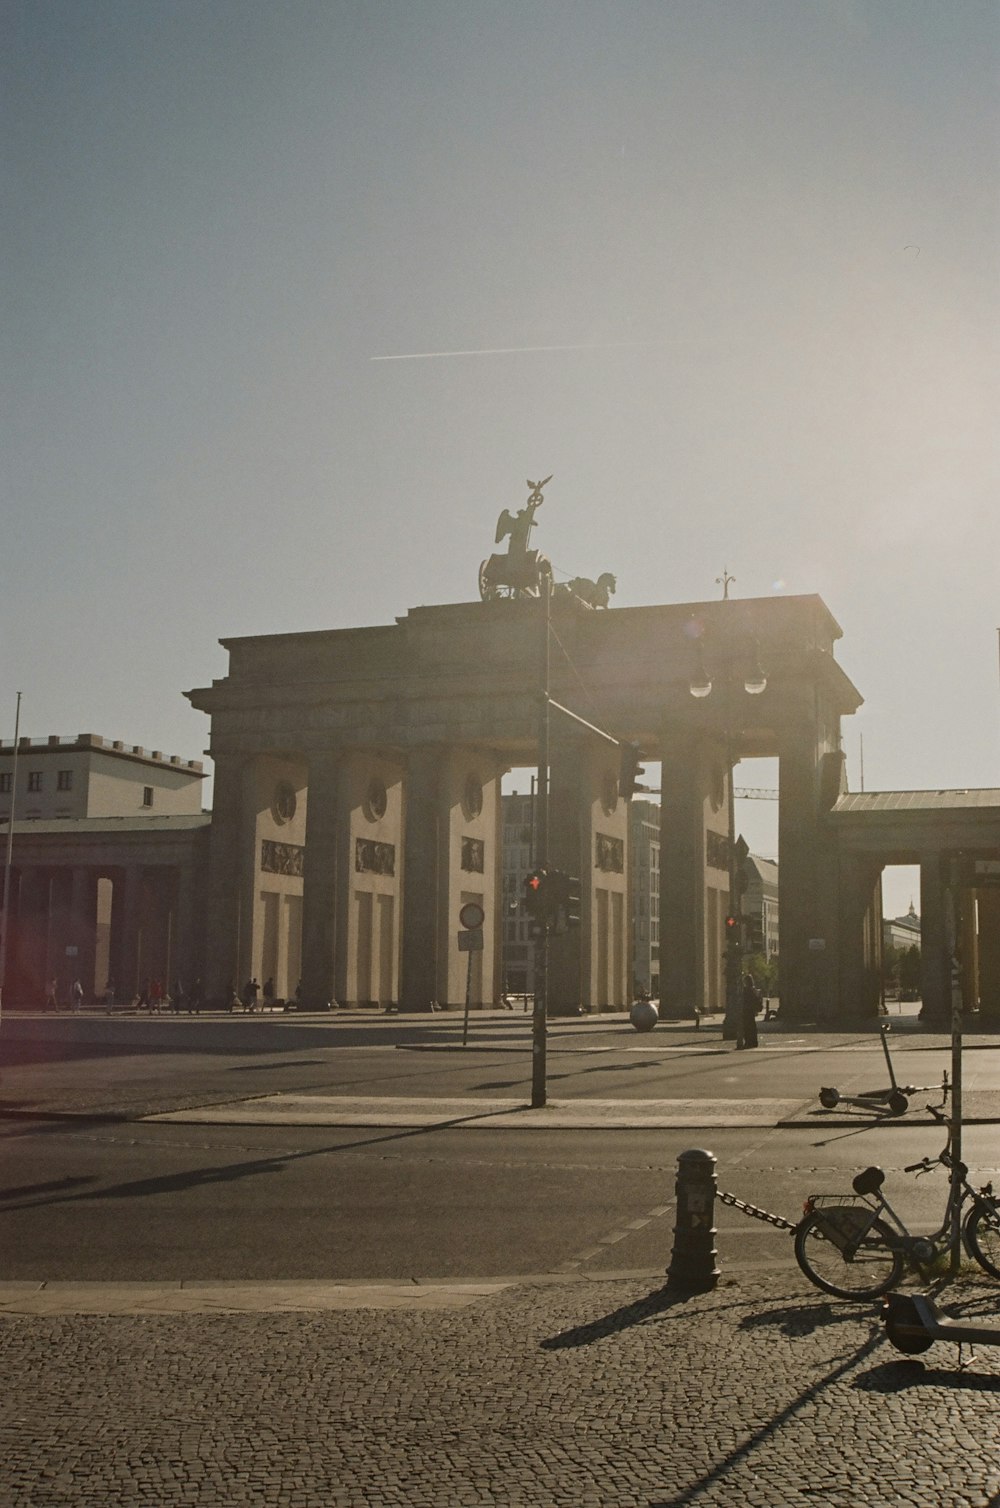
(902, 931)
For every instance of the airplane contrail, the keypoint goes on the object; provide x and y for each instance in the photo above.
(614, 345)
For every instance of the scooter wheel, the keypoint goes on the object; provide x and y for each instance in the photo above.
(902, 1325)
(898, 1103)
(829, 1098)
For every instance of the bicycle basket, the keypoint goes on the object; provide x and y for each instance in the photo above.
(842, 1219)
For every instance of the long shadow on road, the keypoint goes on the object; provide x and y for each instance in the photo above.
(193, 1178)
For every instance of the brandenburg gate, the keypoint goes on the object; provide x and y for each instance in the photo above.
(357, 792)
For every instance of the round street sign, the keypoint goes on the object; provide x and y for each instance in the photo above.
(472, 915)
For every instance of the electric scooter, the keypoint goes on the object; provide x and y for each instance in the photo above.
(892, 1101)
(913, 1323)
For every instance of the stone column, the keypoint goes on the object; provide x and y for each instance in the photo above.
(319, 884)
(935, 953)
(82, 924)
(228, 909)
(807, 885)
(682, 877)
(860, 949)
(190, 910)
(57, 964)
(989, 953)
(421, 965)
(571, 849)
(126, 922)
(18, 985)
(26, 974)
(968, 949)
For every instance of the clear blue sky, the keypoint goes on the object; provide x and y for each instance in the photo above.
(774, 226)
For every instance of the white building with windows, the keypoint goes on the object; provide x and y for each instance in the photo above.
(902, 931)
(91, 776)
(760, 907)
(518, 953)
(109, 855)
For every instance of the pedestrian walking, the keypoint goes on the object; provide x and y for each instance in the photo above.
(76, 995)
(268, 992)
(177, 997)
(250, 992)
(52, 995)
(750, 1003)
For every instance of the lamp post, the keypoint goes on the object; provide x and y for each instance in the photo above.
(701, 686)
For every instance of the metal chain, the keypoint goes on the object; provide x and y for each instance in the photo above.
(758, 1214)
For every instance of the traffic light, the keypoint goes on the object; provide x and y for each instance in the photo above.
(572, 900)
(732, 926)
(629, 769)
(538, 894)
(565, 891)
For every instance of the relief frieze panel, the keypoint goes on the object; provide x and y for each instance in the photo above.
(282, 858)
(609, 853)
(371, 857)
(473, 855)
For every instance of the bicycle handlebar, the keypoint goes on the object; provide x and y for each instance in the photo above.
(923, 1166)
(937, 1113)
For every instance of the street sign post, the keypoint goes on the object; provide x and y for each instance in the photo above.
(470, 941)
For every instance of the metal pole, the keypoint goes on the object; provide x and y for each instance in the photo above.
(955, 1139)
(538, 1071)
(731, 1021)
(7, 861)
(468, 1000)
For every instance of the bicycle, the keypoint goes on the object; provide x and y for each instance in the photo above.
(857, 1247)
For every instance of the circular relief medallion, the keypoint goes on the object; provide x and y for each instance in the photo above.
(472, 797)
(376, 799)
(283, 803)
(609, 792)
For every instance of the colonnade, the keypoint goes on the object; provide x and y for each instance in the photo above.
(122, 924)
(344, 760)
(340, 875)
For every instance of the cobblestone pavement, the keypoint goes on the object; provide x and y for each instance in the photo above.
(595, 1394)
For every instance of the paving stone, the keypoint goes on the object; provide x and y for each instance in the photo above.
(596, 1393)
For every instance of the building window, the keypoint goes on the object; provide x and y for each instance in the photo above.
(34, 780)
(64, 780)
(147, 795)
(5, 783)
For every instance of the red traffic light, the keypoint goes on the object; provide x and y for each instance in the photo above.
(730, 923)
(537, 894)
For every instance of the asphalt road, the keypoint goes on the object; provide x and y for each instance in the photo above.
(85, 1198)
(145, 1202)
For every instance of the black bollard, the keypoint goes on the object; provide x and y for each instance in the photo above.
(693, 1262)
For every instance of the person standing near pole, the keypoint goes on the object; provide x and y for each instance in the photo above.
(750, 1002)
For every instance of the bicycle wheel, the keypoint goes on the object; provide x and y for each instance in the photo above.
(840, 1267)
(982, 1235)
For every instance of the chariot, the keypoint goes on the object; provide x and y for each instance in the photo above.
(511, 575)
(520, 572)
